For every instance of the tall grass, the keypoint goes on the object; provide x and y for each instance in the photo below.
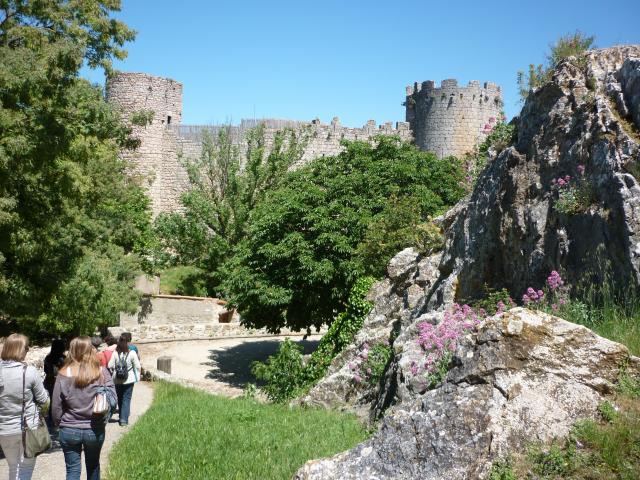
(611, 314)
(187, 434)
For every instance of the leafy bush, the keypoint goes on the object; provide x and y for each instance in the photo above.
(280, 388)
(302, 253)
(502, 470)
(370, 363)
(500, 136)
(282, 373)
(571, 45)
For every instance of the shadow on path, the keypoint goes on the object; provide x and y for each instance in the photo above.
(232, 365)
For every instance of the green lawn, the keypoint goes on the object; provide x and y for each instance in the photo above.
(188, 434)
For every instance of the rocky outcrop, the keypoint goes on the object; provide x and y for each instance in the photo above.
(522, 377)
(410, 276)
(510, 233)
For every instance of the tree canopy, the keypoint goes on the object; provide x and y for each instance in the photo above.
(71, 219)
(306, 244)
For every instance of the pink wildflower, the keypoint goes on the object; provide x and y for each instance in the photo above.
(525, 299)
(581, 169)
(501, 307)
(561, 182)
(554, 307)
(492, 119)
(357, 378)
(562, 301)
(554, 280)
(414, 369)
(540, 294)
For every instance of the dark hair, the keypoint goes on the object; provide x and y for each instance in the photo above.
(123, 344)
(126, 335)
(96, 342)
(110, 340)
(58, 346)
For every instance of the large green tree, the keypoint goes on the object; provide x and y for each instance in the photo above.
(70, 218)
(312, 237)
(226, 185)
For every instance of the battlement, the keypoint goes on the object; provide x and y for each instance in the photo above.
(451, 119)
(428, 87)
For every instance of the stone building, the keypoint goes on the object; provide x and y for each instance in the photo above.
(444, 127)
(452, 120)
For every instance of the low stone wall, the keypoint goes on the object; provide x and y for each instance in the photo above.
(194, 331)
(157, 310)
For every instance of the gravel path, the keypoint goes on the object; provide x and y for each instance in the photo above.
(50, 465)
(220, 366)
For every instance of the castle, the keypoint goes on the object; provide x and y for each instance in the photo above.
(450, 120)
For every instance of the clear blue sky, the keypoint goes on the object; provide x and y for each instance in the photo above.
(302, 59)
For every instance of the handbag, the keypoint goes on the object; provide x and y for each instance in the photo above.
(104, 401)
(34, 440)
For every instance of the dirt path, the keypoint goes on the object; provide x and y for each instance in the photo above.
(221, 366)
(50, 465)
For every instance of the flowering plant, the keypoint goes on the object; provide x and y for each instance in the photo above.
(574, 193)
(370, 363)
(556, 294)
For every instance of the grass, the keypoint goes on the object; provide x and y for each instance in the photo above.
(188, 434)
(183, 280)
(615, 319)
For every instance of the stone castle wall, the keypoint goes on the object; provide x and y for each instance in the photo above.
(447, 121)
(452, 120)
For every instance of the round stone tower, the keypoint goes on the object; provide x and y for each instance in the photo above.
(452, 120)
(160, 100)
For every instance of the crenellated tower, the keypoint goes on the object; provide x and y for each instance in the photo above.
(452, 120)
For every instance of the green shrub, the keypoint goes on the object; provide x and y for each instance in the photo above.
(282, 372)
(502, 470)
(299, 377)
(142, 118)
(371, 363)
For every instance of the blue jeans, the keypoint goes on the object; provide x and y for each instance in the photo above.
(124, 391)
(73, 440)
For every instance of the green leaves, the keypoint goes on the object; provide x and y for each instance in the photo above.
(71, 221)
(313, 236)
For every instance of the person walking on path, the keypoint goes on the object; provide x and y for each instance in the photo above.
(52, 364)
(112, 344)
(125, 365)
(74, 393)
(127, 335)
(14, 374)
(97, 342)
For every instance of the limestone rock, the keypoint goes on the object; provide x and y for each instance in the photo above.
(509, 234)
(523, 376)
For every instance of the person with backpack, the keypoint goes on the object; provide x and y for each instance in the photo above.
(82, 399)
(125, 365)
(21, 394)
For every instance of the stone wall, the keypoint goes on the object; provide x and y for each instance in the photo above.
(174, 310)
(452, 120)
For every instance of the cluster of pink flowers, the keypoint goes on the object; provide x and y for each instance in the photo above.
(557, 295)
(532, 296)
(438, 340)
(356, 365)
(561, 182)
(554, 280)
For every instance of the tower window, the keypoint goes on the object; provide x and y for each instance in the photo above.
(168, 119)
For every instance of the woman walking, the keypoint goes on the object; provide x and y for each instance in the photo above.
(13, 375)
(74, 393)
(125, 365)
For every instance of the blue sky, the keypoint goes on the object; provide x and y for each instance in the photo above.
(352, 59)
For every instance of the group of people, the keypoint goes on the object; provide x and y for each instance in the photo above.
(69, 390)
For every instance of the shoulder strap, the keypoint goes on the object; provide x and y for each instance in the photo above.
(23, 422)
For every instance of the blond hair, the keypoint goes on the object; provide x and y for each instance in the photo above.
(83, 355)
(15, 347)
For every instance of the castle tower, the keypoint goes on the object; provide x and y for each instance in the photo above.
(452, 120)
(139, 95)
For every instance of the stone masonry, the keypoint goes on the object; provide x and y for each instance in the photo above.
(446, 127)
(452, 120)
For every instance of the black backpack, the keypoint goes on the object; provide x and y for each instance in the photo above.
(121, 371)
